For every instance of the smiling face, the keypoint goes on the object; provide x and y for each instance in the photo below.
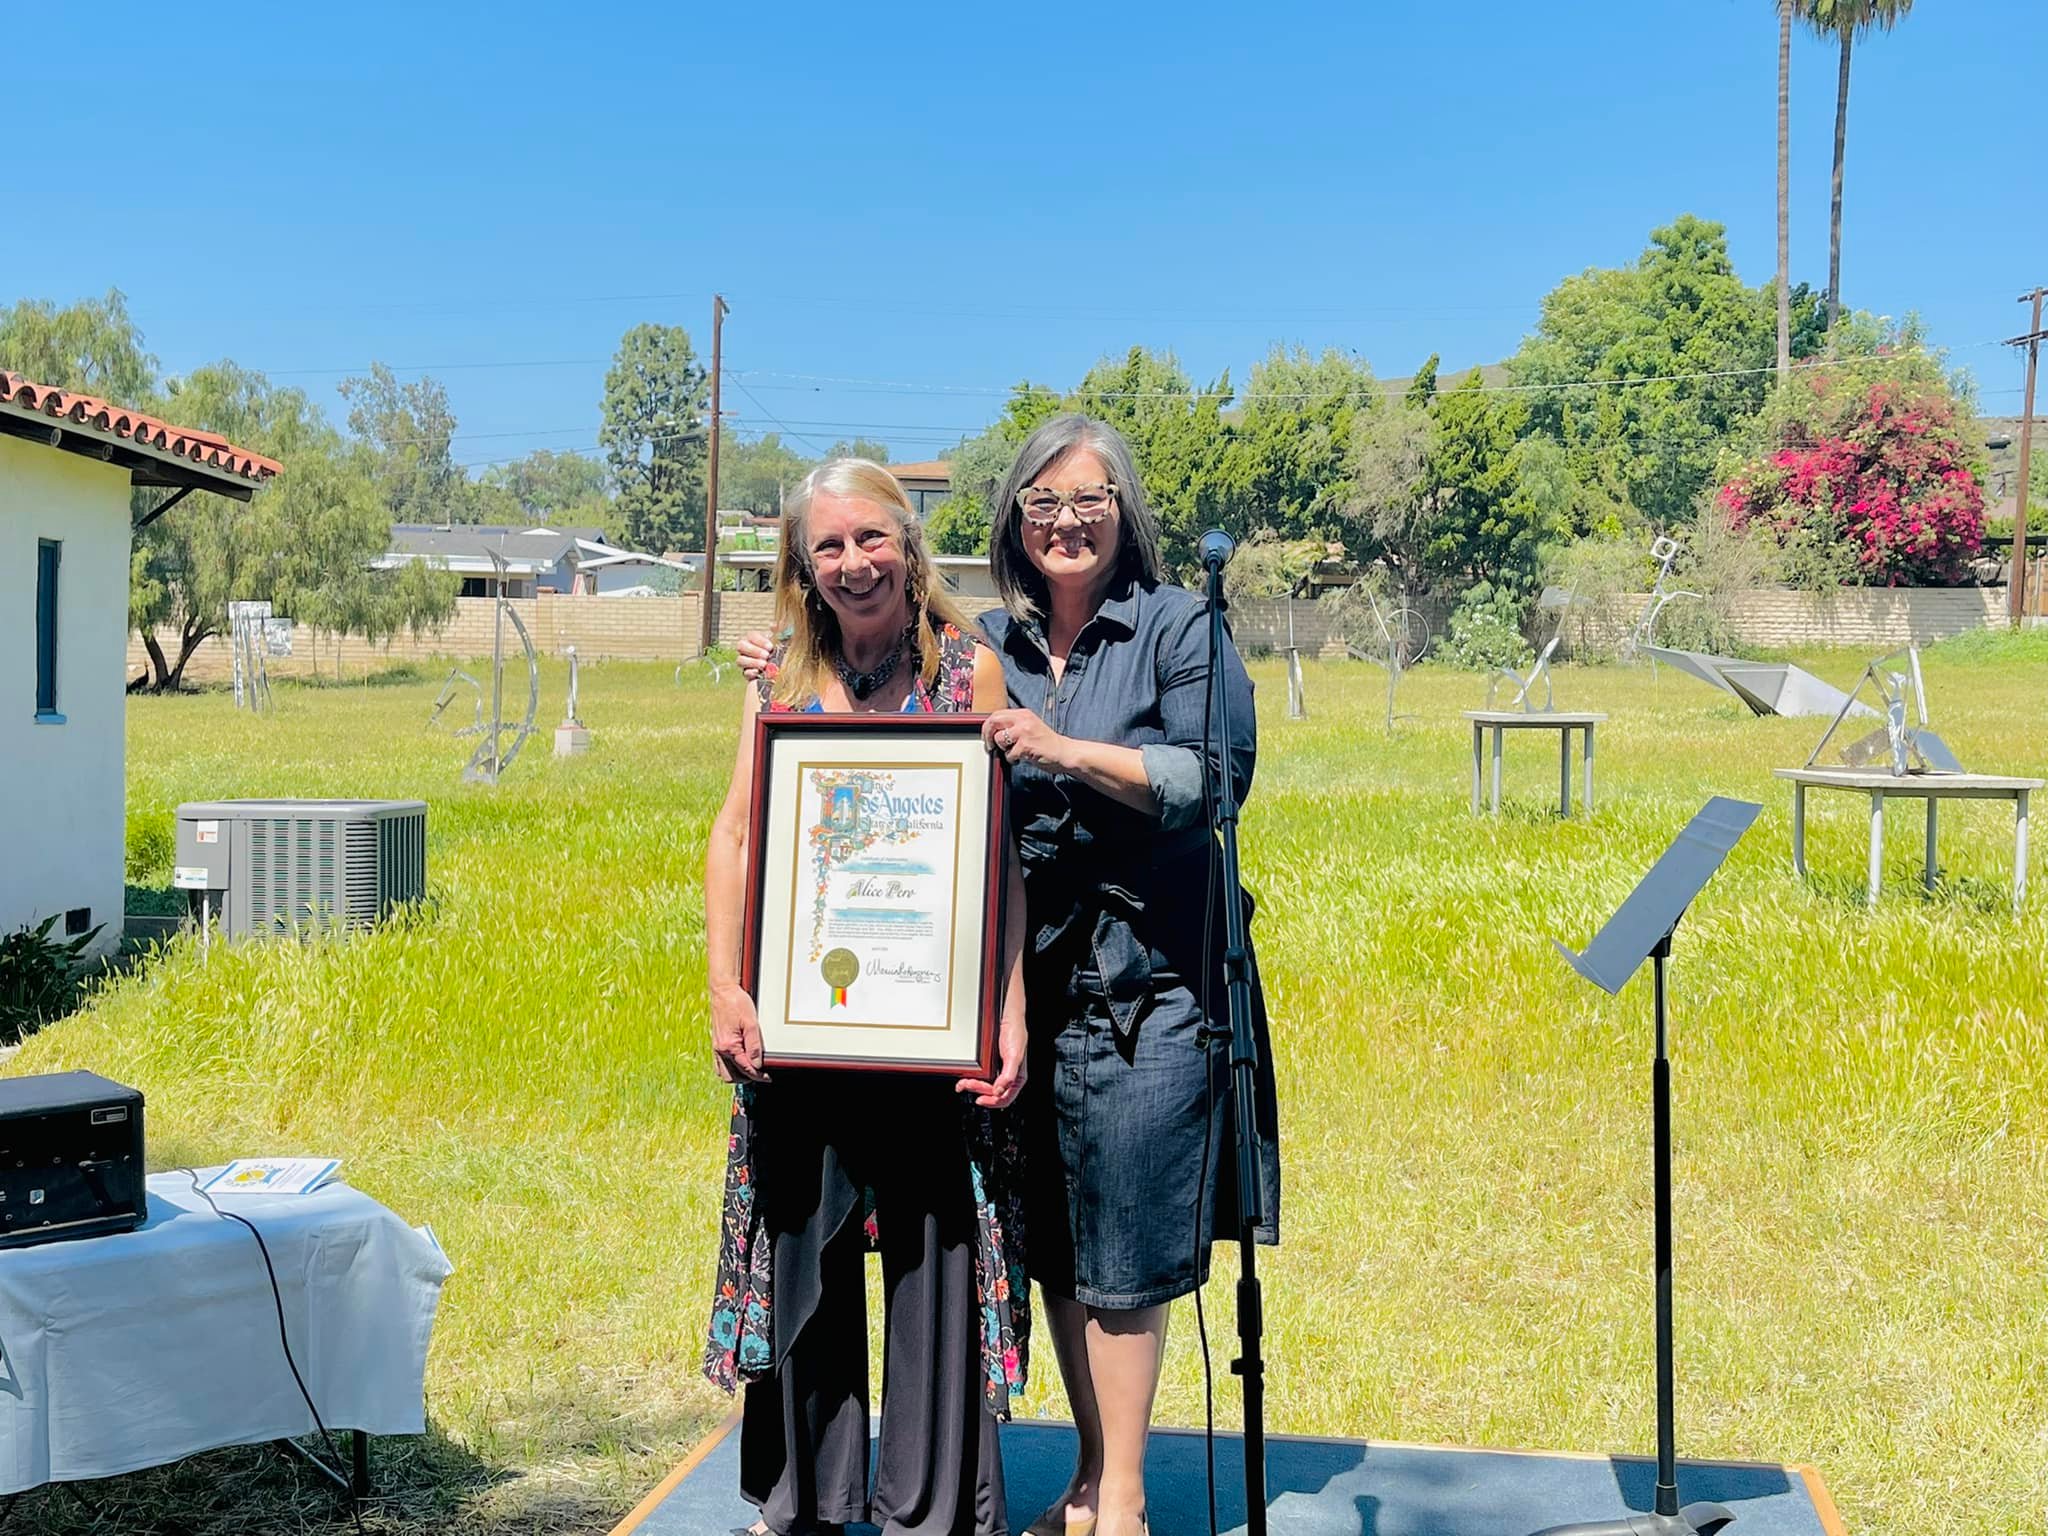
(856, 556)
(1069, 553)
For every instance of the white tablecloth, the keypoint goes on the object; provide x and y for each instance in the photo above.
(136, 1349)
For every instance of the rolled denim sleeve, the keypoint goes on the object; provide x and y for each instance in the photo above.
(1175, 774)
(1176, 766)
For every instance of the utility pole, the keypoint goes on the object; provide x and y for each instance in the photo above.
(2032, 342)
(707, 595)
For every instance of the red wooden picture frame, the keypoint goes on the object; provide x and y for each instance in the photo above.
(768, 727)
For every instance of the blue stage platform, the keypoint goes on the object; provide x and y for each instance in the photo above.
(1318, 1488)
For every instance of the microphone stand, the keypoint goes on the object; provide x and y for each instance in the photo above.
(1250, 1366)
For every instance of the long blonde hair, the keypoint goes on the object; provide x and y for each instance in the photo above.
(800, 608)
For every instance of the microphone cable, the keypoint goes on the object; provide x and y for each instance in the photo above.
(277, 1296)
(1209, 1038)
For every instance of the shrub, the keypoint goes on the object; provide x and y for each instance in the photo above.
(1886, 483)
(39, 977)
(1486, 630)
(152, 847)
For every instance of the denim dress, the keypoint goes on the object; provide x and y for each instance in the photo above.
(1131, 1152)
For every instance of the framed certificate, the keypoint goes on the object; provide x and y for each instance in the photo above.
(875, 888)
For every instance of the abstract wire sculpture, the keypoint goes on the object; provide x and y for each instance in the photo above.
(447, 696)
(1903, 741)
(1394, 638)
(1665, 551)
(492, 757)
(1561, 600)
(249, 628)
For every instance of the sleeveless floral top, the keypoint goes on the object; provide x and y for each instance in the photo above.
(740, 1346)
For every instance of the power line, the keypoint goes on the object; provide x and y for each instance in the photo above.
(1372, 391)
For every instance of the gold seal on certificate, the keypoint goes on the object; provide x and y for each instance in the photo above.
(874, 891)
(840, 970)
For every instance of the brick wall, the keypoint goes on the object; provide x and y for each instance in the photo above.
(665, 628)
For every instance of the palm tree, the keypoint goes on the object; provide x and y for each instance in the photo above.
(1846, 20)
(1785, 189)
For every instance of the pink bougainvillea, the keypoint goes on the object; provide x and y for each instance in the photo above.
(1889, 481)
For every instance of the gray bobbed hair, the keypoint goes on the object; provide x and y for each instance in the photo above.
(1021, 584)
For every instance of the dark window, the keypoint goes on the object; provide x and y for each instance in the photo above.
(76, 921)
(48, 553)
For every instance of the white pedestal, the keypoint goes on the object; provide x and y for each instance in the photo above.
(570, 740)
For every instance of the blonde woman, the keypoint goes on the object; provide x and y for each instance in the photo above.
(870, 630)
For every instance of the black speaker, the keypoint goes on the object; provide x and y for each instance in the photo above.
(70, 1158)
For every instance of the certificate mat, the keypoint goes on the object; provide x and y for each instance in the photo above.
(874, 893)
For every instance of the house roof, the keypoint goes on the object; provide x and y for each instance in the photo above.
(924, 469)
(469, 546)
(103, 422)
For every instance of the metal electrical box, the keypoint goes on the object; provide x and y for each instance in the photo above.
(266, 868)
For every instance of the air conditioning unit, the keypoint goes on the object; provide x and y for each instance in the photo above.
(264, 868)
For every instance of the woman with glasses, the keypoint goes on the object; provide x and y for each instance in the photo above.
(820, 1169)
(1131, 1151)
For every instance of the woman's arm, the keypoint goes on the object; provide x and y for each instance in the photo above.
(1179, 764)
(735, 1031)
(990, 693)
(1164, 779)
(1118, 772)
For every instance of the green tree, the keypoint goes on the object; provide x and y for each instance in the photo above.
(1285, 458)
(1478, 518)
(754, 476)
(860, 448)
(1845, 21)
(1680, 354)
(409, 430)
(960, 525)
(1383, 469)
(1177, 434)
(91, 346)
(655, 397)
(551, 487)
(1458, 491)
(305, 542)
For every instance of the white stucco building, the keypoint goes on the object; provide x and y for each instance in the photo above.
(68, 463)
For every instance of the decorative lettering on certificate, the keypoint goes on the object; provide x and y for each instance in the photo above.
(880, 844)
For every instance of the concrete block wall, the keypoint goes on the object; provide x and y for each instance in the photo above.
(665, 628)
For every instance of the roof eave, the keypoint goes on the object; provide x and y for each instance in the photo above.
(147, 465)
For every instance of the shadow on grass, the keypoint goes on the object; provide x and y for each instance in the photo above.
(1981, 895)
(419, 1484)
(397, 674)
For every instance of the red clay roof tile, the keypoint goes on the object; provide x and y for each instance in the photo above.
(104, 418)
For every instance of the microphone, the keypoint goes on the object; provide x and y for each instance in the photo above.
(1216, 549)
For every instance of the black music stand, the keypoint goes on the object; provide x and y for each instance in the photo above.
(1642, 929)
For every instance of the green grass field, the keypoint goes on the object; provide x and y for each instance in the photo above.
(1862, 1122)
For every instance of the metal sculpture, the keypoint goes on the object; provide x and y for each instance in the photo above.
(1767, 687)
(447, 696)
(570, 736)
(1902, 740)
(249, 630)
(1560, 600)
(1394, 638)
(492, 757)
(1642, 640)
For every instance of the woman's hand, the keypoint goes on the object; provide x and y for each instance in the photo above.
(736, 1036)
(1010, 1048)
(754, 651)
(1021, 737)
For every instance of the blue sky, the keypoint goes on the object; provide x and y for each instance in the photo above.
(957, 197)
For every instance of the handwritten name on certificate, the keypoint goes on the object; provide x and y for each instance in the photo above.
(879, 856)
